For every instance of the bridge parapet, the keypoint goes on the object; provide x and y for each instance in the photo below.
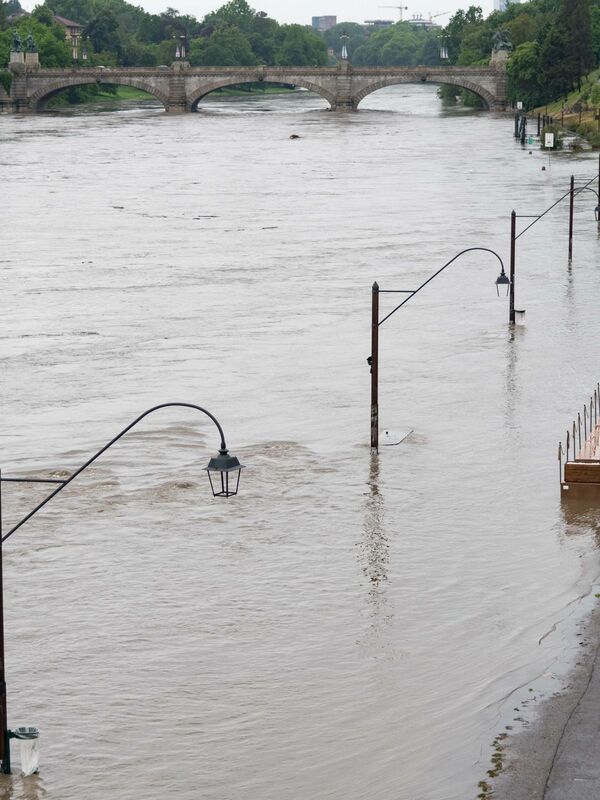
(180, 87)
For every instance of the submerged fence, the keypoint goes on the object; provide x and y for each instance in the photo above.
(582, 444)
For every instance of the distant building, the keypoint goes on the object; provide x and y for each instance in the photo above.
(379, 23)
(324, 23)
(17, 15)
(502, 5)
(73, 30)
(72, 33)
(418, 21)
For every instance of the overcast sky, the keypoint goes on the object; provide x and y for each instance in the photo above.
(301, 11)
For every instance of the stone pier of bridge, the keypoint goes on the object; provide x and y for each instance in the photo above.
(180, 87)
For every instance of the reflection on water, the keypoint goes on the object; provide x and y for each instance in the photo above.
(580, 506)
(374, 558)
(348, 627)
(24, 788)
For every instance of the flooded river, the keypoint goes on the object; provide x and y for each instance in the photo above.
(349, 627)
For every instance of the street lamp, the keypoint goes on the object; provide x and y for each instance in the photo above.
(224, 469)
(179, 46)
(344, 38)
(376, 323)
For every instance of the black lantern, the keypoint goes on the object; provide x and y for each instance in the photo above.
(226, 470)
(502, 280)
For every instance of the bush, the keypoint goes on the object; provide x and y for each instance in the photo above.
(594, 140)
(5, 79)
(558, 137)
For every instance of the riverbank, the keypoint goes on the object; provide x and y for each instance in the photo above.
(555, 756)
(576, 112)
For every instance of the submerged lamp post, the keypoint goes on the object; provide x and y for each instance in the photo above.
(224, 475)
(376, 323)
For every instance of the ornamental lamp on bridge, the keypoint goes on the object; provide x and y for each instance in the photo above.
(226, 470)
(344, 37)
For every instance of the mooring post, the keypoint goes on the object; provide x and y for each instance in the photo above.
(375, 367)
(538, 125)
(513, 234)
(571, 205)
(516, 126)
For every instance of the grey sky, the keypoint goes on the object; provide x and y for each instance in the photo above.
(301, 11)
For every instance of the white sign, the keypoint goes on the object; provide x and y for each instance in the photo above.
(549, 140)
(519, 105)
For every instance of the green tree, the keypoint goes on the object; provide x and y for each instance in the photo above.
(227, 47)
(236, 13)
(459, 25)
(524, 74)
(300, 47)
(566, 47)
(263, 38)
(556, 68)
(357, 35)
(475, 46)
(101, 31)
(401, 49)
(52, 46)
(595, 30)
(578, 19)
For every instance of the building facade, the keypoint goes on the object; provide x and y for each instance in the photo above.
(324, 23)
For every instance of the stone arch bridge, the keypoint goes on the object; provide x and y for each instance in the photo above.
(180, 87)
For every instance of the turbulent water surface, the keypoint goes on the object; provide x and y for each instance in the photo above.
(349, 627)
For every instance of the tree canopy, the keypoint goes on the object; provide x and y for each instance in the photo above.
(555, 42)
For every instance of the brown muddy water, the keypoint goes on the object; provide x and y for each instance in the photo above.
(348, 628)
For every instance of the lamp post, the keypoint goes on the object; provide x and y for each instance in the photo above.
(571, 193)
(179, 46)
(344, 38)
(376, 323)
(224, 475)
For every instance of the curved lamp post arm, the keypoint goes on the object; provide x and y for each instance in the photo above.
(413, 292)
(62, 484)
(587, 189)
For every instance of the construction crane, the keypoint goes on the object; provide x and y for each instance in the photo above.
(399, 8)
(442, 14)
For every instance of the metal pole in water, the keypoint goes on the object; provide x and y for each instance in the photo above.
(513, 231)
(375, 367)
(4, 735)
(571, 205)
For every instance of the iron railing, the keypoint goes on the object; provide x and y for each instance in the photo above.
(582, 442)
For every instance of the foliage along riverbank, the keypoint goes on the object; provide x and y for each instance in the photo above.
(579, 111)
(555, 42)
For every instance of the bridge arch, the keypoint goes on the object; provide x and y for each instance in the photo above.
(200, 93)
(488, 99)
(41, 96)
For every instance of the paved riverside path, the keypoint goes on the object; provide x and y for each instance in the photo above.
(558, 756)
(575, 770)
